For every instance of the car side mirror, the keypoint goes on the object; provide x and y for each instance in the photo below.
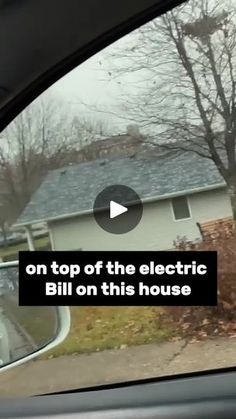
(26, 332)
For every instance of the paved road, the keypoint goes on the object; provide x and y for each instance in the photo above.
(143, 361)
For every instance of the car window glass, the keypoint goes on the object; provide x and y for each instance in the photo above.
(154, 112)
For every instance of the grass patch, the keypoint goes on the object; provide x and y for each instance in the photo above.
(99, 328)
(14, 249)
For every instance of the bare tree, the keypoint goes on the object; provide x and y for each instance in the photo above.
(37, 135)
(184, 64)
(44, 136)
(87, 130)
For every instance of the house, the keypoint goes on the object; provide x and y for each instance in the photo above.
(179, 191)
(121, 145)
(118, 145)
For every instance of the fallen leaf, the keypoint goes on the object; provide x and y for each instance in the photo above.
(205, 322)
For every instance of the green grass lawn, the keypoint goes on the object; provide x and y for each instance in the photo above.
(14, 249)
(98, 328)
(93, 328)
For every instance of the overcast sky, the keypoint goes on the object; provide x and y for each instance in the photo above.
(95, 84)
(95, 91)
(92, 84)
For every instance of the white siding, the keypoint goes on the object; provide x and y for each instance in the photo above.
(210, 205)
(157, 229)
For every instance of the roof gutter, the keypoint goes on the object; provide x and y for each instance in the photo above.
(144, 201)
(185, 192)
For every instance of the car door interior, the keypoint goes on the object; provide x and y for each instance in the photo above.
(25, 72)
(210, 395)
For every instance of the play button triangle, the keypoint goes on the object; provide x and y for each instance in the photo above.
(116, 209)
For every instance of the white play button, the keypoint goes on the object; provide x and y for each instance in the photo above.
(116, 209)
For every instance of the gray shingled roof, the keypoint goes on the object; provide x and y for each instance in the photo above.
(74, 188)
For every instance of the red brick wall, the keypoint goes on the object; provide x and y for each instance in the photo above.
(215, 228)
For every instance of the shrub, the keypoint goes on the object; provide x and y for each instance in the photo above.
(210, 321)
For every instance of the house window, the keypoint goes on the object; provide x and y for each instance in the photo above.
(180, 207)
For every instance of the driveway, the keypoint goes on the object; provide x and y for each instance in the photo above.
(144, 361)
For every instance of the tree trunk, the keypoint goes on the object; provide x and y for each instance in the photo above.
(232, 195)
(4, 234)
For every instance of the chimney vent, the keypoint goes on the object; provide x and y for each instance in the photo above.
(133, 131)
